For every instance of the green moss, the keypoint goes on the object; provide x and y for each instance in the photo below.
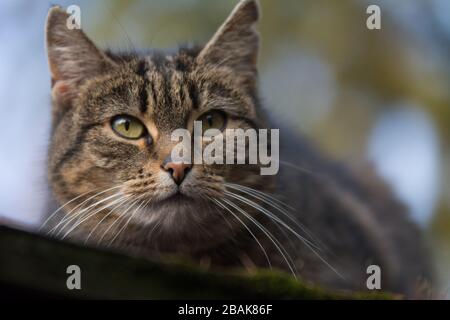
(32, 263)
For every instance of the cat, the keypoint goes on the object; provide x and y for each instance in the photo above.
(112, 176)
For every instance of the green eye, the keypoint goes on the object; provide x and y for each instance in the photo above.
(128, 127)
(213, 120)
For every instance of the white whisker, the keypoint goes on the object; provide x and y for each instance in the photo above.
(269, 235)
(124, 200)
(85, 212)
(247, 228)
(90, 214)
(267, 199)
(269, 214)
(68, 216)
(128, 221)
(60, 208)
(119, 217)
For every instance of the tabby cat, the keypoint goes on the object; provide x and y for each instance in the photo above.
(116, 185)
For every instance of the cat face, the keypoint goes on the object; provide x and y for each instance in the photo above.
(113, 116)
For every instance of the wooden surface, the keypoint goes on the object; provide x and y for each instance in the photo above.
(32, 265)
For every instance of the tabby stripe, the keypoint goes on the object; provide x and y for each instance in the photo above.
(143, 95)
(181, 90)
(76, 146)
(167, 87)
(59, 116)
(193, 95)
(153, 90)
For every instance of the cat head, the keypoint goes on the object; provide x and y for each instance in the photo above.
(113, 115)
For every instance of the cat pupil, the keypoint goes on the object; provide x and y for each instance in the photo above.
(209, 118)
(127, 125)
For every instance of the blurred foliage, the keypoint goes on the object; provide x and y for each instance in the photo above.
(385, 65)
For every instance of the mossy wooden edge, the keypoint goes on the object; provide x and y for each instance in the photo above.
(33, 263)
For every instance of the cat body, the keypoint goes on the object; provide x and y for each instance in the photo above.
(113, 179)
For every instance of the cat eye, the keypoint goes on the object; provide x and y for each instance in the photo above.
(213, 120)
(128, 127)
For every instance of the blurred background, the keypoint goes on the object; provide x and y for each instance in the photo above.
(377, 95)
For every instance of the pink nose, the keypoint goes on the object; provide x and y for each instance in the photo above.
(177, 170)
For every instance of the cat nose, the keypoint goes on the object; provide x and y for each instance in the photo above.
(177, 170)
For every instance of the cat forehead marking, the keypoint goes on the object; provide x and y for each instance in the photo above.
(167, 93)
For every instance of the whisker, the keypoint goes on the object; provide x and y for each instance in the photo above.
(128, 221)
(261, 193)
(301, 169)
(269, 235)
(119, 217)
(68, 215)
(90, 214)
(268, 213)
(262, 196)
(84, 212)
(209, 199)
(292, 244)
(125, 199)
(60, 208)
(247, 228)
(157, 224)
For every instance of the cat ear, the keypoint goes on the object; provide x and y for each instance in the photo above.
(72, 56)
(236, 43)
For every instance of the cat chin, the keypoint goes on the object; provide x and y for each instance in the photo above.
(173, 201)
(172, 209)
